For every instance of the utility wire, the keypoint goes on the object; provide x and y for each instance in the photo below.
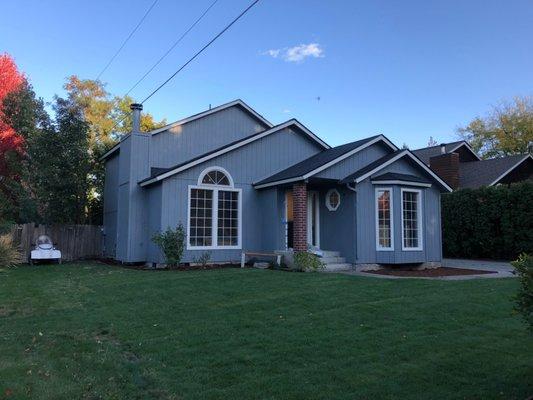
(201, 50)
(127, 39)
(192, 58)
(172, 47)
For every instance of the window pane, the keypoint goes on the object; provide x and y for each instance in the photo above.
(200, 222)
(410, 228)
(215, 178)
(228, 234)
(384, 219)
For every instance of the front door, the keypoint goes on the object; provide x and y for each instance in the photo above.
(313, 219)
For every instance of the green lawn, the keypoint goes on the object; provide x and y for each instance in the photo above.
(93, 331)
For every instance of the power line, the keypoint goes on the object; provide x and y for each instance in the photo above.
(192, 58)
(172, 47)
(201, 50)
(127, 39)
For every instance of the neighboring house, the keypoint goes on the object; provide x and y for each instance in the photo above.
(239, 183)
(460, 166)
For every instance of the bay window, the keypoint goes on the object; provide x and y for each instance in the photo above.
(384, 219)
(411, 219)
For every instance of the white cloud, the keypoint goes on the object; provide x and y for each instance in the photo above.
(297, 53)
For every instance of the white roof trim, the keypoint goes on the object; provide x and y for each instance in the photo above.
(510, 169)
(212, 111)
(111, 151)
(400, 182)
(228, 149)
(398, 156)
(329, 164)
(467, 146)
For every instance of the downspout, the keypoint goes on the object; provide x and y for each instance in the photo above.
(354, 190)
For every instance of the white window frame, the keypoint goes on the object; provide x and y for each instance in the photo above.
(214, 212)
(329, 206)
(210, 169)
(420, 217)
(391, 197)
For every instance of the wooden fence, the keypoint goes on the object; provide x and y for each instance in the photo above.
(74, 241)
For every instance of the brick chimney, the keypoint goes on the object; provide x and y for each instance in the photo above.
(447, 167)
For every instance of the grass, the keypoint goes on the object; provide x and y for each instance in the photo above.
(91, 331)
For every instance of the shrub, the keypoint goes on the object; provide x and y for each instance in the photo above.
(489, 222)
(203, 259)
(524, 298)
(171, 242)
(305, 261)
(9, 253)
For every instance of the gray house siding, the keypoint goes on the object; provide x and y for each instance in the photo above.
(131, 214)
(197, 137)
(337, 228)
(111, 206)
(246, 165)
(366, 218)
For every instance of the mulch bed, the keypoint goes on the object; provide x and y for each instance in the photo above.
(435, 272)
(182, 267)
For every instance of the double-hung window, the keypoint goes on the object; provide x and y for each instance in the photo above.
(215, 216)
(384, 219)
(411, 219)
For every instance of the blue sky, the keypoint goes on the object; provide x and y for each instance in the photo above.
(409, 70)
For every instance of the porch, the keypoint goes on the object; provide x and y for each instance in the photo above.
(317, 215)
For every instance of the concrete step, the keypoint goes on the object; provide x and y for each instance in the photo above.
(328, 253)
(333, 260)
(337, 267)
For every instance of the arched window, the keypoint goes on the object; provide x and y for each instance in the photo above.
(214, 212)
(215, 176)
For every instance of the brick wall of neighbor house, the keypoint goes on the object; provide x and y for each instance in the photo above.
(299, 195)
(447, 167)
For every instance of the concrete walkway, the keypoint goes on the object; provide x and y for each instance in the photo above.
(502, 269)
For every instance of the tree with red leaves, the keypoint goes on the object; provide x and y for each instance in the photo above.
(10, 80)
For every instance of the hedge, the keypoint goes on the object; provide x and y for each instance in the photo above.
(489, 222)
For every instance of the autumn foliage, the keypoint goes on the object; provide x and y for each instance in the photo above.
(10, 80)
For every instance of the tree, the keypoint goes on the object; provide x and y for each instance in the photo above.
(10, 80)
(432, 142)
(60, 162)
(107, 117)
(25, 114)
(506, 130)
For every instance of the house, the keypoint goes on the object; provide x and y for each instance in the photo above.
(239, 183)
(461, 167)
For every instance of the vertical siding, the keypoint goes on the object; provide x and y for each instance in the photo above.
(366, 217)
(111, 205)
(154, 196)
(131, 213)
(197, 137)
(337, 228)
(262, 211)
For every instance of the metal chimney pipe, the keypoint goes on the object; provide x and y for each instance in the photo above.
(136, 113)
(443, 148)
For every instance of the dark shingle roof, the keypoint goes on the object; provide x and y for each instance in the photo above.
(426, 153)
(370, 167)
(313, 162)
(485, 172)
(392, 176)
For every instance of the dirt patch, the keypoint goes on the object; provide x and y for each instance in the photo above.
(431, 273)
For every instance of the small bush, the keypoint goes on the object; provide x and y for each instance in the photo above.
(524, 298)
(171, 242)
(203, 259)
(9, 253)
(305, 261)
